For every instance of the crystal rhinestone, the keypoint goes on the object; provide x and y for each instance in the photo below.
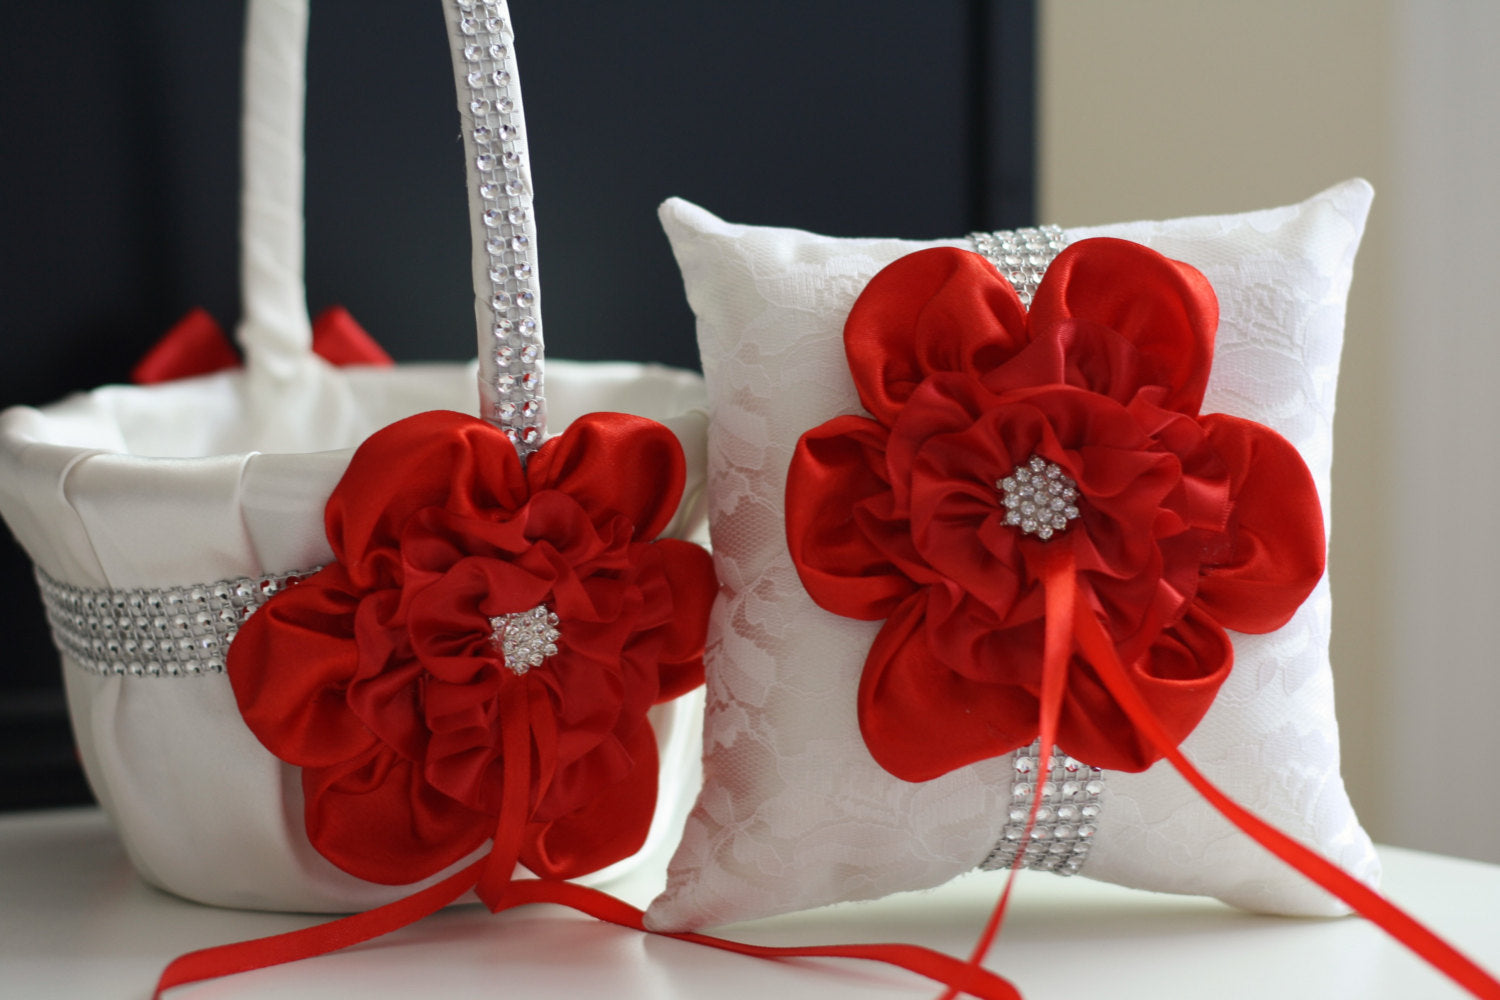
(530, 436)
(484, 163)
(527, 327)
(531, 381)
(530, 408)
(494, 25)
(525, 299)
(505, 410)
(529, 353)
(476, 79)
(495, 246)
(479, 106)
(505, 352)
(499, 272)
(489, 192)
(515, 216)
(498, 51)
(507, 132)
(525, 638)
(503, 327)
(502, 79)
(468, 25)
(492, 217)
(483, 135)
(519, 242)
(504, 104)
(1036, 498)
(472, 52)
(512, 159)
(513, 188)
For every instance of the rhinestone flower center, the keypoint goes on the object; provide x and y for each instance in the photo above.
(526, 638)
(1039, 498)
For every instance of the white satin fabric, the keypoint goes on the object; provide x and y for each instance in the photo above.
(226, 476)
(794, 813)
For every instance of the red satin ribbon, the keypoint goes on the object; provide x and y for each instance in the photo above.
(1069, 620)
(210, 963)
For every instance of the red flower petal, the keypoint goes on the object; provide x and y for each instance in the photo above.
(378, 819)
(920, 719)
(437, 459)
(1167, 309)
(689, 573)
(611, 824)
(1179, 676)
(1276, 547)
(289, 666)
(615, 463)
(835, 468)
(938, 310)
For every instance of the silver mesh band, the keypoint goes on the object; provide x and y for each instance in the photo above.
(1022, 255)
(1067, 817)
(168, 632)
(1066, 820)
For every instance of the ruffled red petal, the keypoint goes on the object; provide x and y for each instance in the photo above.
(689, 573)
(1166, 308)
(437, 459)
(850, 562)
(937, 310)
(1179, 676)
(611, 824)
(615, 464)
(289, 666)
(921, 719)
(1275, 548)
(377, 818)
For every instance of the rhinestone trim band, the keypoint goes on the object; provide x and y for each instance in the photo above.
(1021, 255)
(1066, 820)
(169, 632)
(507, 295)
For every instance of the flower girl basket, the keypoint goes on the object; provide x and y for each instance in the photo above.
(160, 517)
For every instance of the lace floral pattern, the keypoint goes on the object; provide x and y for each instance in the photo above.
(794, 813)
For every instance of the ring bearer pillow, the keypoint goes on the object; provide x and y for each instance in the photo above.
(796, 811)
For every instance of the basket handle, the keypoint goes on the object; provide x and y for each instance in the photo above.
(275, 332)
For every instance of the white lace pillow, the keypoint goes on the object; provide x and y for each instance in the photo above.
(794, 813)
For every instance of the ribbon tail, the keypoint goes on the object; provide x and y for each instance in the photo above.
(1058, 571)
(495, 878)
(1396, 922)
(945, 969)
(321, 939)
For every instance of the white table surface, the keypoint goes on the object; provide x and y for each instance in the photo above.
(75, 922)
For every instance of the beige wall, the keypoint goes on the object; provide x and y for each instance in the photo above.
(1160, 108)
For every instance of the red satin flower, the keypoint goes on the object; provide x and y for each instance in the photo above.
(386, 676)
(1170, 527)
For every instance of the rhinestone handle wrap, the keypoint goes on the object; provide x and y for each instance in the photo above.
(507, 300)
